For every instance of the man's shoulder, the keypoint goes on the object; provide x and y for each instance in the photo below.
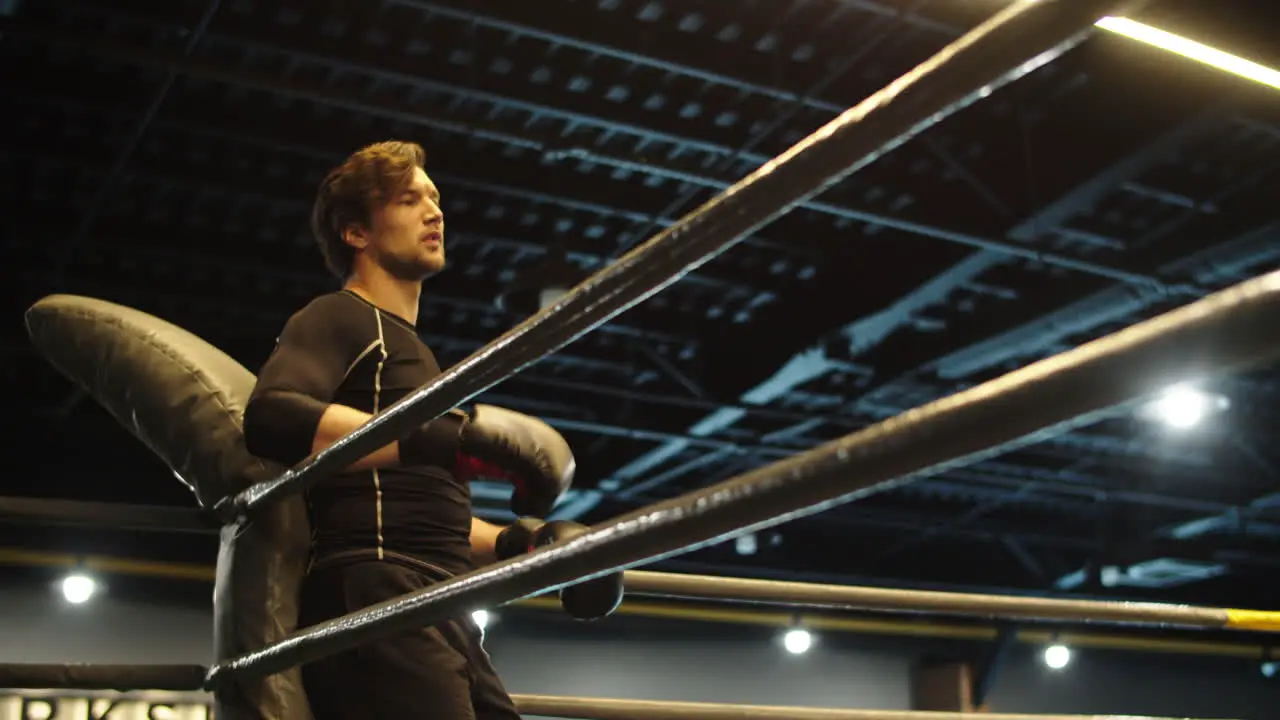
(333, 311)
(330, 306)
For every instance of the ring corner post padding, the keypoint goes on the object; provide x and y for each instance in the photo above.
(185, 399)
(1017, 40)
(174, 392)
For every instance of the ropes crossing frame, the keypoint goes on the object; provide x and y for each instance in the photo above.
(1225, 332)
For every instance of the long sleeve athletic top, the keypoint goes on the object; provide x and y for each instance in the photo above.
(342, 349)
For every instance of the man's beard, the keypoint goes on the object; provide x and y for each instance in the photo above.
(411, 269)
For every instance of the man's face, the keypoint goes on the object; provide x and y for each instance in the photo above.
(406, 235)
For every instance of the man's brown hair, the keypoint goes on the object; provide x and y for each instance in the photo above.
(369, 177)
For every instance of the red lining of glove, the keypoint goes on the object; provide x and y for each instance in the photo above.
(468, 468)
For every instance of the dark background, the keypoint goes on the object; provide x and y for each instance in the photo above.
(163, 154)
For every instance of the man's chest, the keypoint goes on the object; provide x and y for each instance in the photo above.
(393, 367)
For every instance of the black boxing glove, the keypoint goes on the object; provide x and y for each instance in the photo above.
(497, 443)
(589, 600)
(517, 538)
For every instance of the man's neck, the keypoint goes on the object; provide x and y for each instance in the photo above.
(398, 297)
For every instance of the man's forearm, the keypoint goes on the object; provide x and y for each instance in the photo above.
(484, 540)
(337, 422)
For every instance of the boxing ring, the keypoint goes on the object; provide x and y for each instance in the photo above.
(147, 373)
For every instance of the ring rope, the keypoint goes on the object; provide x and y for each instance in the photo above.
(1222, 332)
(1012, 43)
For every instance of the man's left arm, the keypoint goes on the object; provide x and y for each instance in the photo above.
(484, 541)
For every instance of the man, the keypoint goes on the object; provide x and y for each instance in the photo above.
(400, 518)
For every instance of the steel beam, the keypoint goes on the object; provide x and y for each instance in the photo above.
(239, 77)
(815, 361)
(125, 153)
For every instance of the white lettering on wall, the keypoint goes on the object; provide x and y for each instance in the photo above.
(39, 705)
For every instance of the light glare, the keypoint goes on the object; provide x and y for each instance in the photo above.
(1191, 50)
(1182, 407)
(797, 641)
(78, 588)
(1057, 656)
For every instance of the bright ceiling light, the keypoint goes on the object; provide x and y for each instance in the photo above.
(78, 588)
(1192, 50)
(1183, 407)
(1057, 656)
(480, 618)
(797, 641)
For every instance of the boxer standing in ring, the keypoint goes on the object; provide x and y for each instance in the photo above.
(400, 518)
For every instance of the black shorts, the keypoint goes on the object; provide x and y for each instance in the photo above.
(439, 672)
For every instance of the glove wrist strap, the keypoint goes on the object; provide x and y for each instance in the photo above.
(434, 443)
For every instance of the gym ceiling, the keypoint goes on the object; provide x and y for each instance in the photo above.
(163, 154)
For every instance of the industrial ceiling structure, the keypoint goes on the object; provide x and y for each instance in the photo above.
(164, 153)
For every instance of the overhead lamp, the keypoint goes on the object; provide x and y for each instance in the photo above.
(1183, 406)
(797, 641)
(77, 588)
(541, 284)
(1057, 656)
(1192, 50)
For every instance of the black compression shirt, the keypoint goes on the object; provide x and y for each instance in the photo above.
(342, 349)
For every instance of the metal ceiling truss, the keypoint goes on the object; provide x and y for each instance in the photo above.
(559, 116)
(237, 69)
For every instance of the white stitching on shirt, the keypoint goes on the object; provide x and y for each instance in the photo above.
(377, 391)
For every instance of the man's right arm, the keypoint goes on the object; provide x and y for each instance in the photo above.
(339, 421)
(291, 415)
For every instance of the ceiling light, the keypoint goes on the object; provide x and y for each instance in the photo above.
(1182, 406)
(1057, 656)
(78, 588)
(797, 641)
(1191, 50)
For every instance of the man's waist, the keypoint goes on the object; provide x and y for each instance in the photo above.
(440, 561)
(408, 471)
(429, 566)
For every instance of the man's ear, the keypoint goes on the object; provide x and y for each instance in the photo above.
(355, 236)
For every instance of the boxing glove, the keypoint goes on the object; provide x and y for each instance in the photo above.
(589, 600)
(501, 444)
(517, 538)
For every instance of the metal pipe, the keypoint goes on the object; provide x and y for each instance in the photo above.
(590, 708)
(119, 516)
(724, 613)
(1221, 333)
(93, 676)
(843, 597)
